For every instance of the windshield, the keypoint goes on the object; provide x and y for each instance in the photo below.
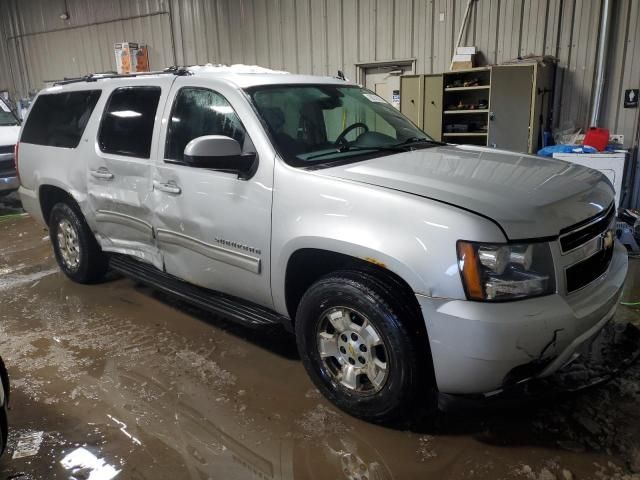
(319, 124)
(6, 117)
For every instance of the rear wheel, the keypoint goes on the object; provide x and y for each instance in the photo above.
(357, 348)
(76, 249)
(4, 427)
(4, 422)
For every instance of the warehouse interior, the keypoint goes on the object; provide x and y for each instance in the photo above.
(120, 378)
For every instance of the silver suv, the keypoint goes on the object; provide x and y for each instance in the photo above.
(404, 266)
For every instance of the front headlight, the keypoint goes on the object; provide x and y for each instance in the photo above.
(495, 272)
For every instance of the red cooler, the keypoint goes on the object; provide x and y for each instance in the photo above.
(597, 138)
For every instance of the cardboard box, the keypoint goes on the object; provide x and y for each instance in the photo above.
(466, 50)
(462, 61)
(131, 58)
(461, 66)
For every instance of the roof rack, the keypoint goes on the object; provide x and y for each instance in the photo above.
(93, 77)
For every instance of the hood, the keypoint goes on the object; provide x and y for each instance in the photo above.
(528, 196)
(9, 135)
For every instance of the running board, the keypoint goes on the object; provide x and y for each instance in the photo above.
(229, 307)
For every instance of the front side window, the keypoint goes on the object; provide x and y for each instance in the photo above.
(59, 119)
(313, 124)
(127, 122)
(198, 112)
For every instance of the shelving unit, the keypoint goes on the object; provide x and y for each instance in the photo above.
(471, 89)
(463, 89)
(462, 112)
(465, 134)
(502, 106)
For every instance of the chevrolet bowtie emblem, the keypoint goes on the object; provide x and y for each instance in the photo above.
(608, 238)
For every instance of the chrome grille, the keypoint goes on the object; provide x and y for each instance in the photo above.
(592, 242)
(583, 273)
(577, 235)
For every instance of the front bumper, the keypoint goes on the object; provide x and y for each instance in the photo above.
(614, 349)
(481, 348)
(9, 184)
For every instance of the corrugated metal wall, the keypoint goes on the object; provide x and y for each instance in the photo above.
(322, 36)
(41, 46)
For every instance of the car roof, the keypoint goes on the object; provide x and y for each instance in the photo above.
(240, 76)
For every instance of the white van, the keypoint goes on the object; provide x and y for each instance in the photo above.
(9, 132)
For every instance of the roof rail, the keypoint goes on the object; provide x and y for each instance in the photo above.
(93, 77)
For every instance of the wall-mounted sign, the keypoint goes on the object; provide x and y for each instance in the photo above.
(395, 98)
(631, 98)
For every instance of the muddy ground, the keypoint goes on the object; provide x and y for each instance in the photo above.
(133, 382)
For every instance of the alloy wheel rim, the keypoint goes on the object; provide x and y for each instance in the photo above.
(68, 244)
(352, 350)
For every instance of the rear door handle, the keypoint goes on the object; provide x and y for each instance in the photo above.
(169, 187)
(102, 173)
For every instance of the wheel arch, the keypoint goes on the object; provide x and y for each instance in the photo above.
(307, 265)
(49, 195)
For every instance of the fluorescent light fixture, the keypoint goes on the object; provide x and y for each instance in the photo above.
(126, 114)
(223, 109)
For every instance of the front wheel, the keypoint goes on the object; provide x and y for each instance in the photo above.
(357, 349)
(76, 249)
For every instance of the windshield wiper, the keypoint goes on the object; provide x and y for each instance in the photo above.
(357, 148)
(396, 147)
(414, 140)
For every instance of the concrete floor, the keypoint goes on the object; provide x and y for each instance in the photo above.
(140, 384)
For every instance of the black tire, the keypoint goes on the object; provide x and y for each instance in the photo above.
(4, 422)
(4, 428)
(368, 297)
(91, 263)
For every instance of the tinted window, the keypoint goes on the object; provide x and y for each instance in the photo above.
(59, 120)
(197, 112)
(127, 122)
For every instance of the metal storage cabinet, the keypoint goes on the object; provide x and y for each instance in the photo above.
(411, 92)
(421, 102)
(502, 106)
(433, 106)
(519, 105)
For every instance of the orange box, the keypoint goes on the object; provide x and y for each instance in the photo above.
(131, 57)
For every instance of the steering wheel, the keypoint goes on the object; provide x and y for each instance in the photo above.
(342, 137)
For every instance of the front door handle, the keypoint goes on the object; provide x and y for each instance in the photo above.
(102, 173)
(169, 187)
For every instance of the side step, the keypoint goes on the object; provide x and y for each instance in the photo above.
(229, 307)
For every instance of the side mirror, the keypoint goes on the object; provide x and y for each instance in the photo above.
(218, 152)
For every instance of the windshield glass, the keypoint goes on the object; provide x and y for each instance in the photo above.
(313, 124)
(6, 117)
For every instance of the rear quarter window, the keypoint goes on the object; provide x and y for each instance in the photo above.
(59, 119)
(128, 120)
